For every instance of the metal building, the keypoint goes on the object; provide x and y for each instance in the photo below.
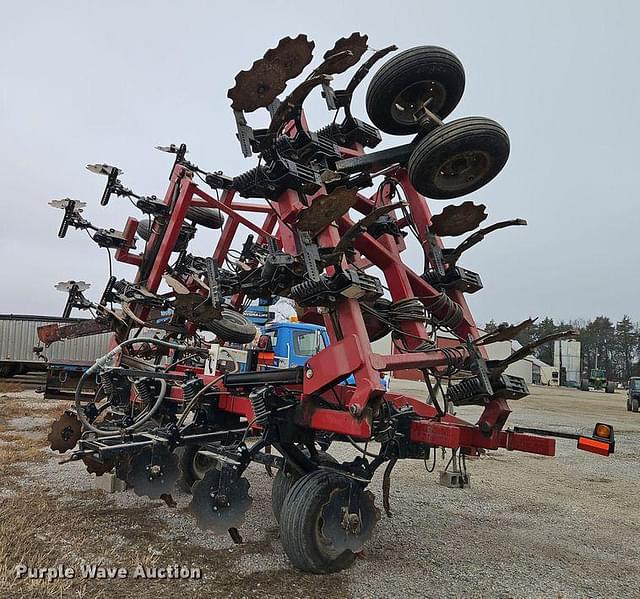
(566, 356)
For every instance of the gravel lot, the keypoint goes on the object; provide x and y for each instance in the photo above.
(528, 527)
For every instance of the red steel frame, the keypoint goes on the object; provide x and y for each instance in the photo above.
(350, 350)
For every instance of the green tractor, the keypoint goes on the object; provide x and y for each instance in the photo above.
(598, 381)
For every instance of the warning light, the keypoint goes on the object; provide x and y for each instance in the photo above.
(603, 431)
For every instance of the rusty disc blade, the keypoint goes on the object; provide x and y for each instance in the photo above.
(260, 85)
(457, 220)
(97, 467)
(506, 333)
(292, 54)
(196, 308)
(350, 50)
(65, 432)
(325, 209)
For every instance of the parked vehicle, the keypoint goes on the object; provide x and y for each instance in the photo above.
(598, 381)
(21, 351)
(633, 394)
(293, 343)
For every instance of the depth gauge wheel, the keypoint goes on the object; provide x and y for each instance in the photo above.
(193, 466)
(458, 158)
(325, 521)
(403, 85)
(635, 405)
(286, 477)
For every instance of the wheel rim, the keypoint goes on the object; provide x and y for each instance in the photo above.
(462, 170)
(200, 464)
(341, 526)
(414, 96)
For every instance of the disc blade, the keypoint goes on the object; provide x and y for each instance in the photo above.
(65, 432)
(457, 220)
(325, 209)
(103, 169)
(346, 52)
(64, 202)
(259, 86)
(68, 285)
(153, 471)
(219, 509)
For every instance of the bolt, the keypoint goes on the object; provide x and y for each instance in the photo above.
(351, 523)
(309, 373)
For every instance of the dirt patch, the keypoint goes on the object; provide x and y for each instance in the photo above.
(10, 387)
(527, 526)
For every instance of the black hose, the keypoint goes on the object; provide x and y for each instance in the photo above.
(100, 362)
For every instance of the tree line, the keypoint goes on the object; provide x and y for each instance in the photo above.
(615, 344)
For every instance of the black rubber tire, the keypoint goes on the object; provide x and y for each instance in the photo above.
(7, 370)
(471, 134)
(144, 232)
(285, 478)
(233, 327)
(297, 524)
(610, 387)
(211, 218)
(188, 471)
(412, 66)
(144, 229)
(300, 513)
(628, 406)
(635, 405)
(584, 385)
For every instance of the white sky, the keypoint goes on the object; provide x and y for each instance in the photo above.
(106, 81)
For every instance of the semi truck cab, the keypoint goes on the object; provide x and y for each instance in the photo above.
(293, 343)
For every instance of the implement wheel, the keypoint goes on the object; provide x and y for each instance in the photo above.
(458, 158)
(635, 405)
(233, 327)
(144, 232)
(325, 521)
(193, 466)
(211, 218)
(610, 387)
(286, 477)
(403, 85)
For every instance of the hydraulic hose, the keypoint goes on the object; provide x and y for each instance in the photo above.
(100, 363)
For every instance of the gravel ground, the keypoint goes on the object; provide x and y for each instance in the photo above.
(528, 526)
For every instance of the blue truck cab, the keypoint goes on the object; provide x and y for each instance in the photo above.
(293, 343)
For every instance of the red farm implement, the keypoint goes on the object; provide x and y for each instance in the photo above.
(172, 409)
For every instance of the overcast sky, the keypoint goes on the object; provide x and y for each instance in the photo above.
(106, 81)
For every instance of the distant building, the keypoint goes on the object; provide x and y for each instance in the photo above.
(566, 353)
